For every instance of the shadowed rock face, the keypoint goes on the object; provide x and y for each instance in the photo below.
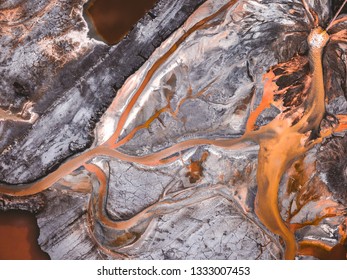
(69, 79)
(332, 167)
(227, 143)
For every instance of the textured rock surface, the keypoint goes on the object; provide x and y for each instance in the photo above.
(48, 60)
(202, 83)
(34, 203)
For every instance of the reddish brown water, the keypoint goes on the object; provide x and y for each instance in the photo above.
(113, 19)
(281, 142)
(18, 237)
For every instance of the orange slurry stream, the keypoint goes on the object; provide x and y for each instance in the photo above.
(126, 232)
(322, 251)
(142, 126)
(342, 123)
(270, 89)
(156, 115)
(101, 201)
(280, 144)
(123, 118)
(315, 102)
(149, 160)
(333, 212)
(49, 180)
(275, 156)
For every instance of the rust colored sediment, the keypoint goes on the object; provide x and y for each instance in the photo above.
(273, 159)
(150, 160)
(294, 227)
(19, 233)
(100, 212)
(270, 89)
(322, 251)
(127, 138)
(342, 123)
(281, 143)
(126, 232)
(123, 118)
(157, 114)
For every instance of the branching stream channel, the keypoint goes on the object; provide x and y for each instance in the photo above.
(285, 142)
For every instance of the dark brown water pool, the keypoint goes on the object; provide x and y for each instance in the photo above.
(18, 236)
(113, 19)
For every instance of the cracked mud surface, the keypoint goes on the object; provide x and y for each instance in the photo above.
(227, 143)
